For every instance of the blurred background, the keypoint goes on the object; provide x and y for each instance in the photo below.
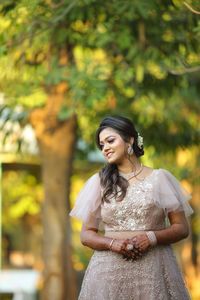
(64, 65)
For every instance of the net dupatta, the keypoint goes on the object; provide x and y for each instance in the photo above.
(88, 203)
(169, 194)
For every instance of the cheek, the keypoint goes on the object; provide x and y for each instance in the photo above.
(119, 146)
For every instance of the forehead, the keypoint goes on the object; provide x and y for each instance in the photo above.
(107, 132)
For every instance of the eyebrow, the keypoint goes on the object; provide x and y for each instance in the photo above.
(106, 138)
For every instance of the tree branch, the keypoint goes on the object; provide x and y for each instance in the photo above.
(184, 71)
(46, 27)
(191, 9)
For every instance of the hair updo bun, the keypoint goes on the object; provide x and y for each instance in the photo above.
(138, 150)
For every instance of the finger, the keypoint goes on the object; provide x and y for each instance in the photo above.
(136, 247)
(134, 239)
(137, 250)
(123, 247)
(138, 254)
(126, 241)
(143, 244)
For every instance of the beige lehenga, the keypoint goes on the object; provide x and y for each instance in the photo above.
(154, 276)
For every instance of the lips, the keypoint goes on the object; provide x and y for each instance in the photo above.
(109, 154)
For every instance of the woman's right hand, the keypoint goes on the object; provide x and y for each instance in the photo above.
(119, 246)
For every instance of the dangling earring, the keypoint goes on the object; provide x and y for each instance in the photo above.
(130, 150)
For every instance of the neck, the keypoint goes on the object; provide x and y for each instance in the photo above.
(129, 166)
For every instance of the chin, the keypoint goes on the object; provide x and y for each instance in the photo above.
(110, 161)
(113, 160)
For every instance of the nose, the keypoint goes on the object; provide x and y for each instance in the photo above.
(106, 148)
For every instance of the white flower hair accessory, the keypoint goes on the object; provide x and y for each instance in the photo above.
(140, 141)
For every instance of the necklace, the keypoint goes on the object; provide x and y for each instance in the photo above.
(131, 175)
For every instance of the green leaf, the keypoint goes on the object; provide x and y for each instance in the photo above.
(65, 113)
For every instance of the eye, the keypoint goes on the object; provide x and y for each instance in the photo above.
(111, 141)
(101, 146)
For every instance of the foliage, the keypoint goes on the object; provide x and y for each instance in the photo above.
(134, 58)
(138, 58)
(22, 196)
(21, 199)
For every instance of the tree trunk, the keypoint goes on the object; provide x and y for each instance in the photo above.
(56, 141)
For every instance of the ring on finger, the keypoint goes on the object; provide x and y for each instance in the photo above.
(129, 247)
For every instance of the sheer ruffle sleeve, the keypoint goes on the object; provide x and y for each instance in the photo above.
(88, 203)
(170, 195)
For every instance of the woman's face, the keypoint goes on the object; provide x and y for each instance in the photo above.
(112, 145)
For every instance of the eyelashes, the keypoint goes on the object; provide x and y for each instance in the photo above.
(111, 141)
(101, 146)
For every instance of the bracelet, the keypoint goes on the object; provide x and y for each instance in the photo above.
(110, 245)
(152, 238)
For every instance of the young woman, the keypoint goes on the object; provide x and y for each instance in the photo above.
(129, 203)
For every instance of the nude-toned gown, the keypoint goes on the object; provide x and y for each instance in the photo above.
(154, 276)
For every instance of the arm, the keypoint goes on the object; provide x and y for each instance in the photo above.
(168, 194)
(177, 231)
(91, 238)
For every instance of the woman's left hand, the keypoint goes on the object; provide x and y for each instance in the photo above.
(141, 242)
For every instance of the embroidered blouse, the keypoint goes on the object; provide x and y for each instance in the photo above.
(144, 207)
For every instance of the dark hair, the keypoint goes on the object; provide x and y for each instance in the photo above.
(113, 184)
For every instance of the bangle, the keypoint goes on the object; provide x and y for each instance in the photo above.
(110, 245)
(152, 238)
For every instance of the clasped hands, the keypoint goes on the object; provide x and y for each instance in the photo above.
(133, 248)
